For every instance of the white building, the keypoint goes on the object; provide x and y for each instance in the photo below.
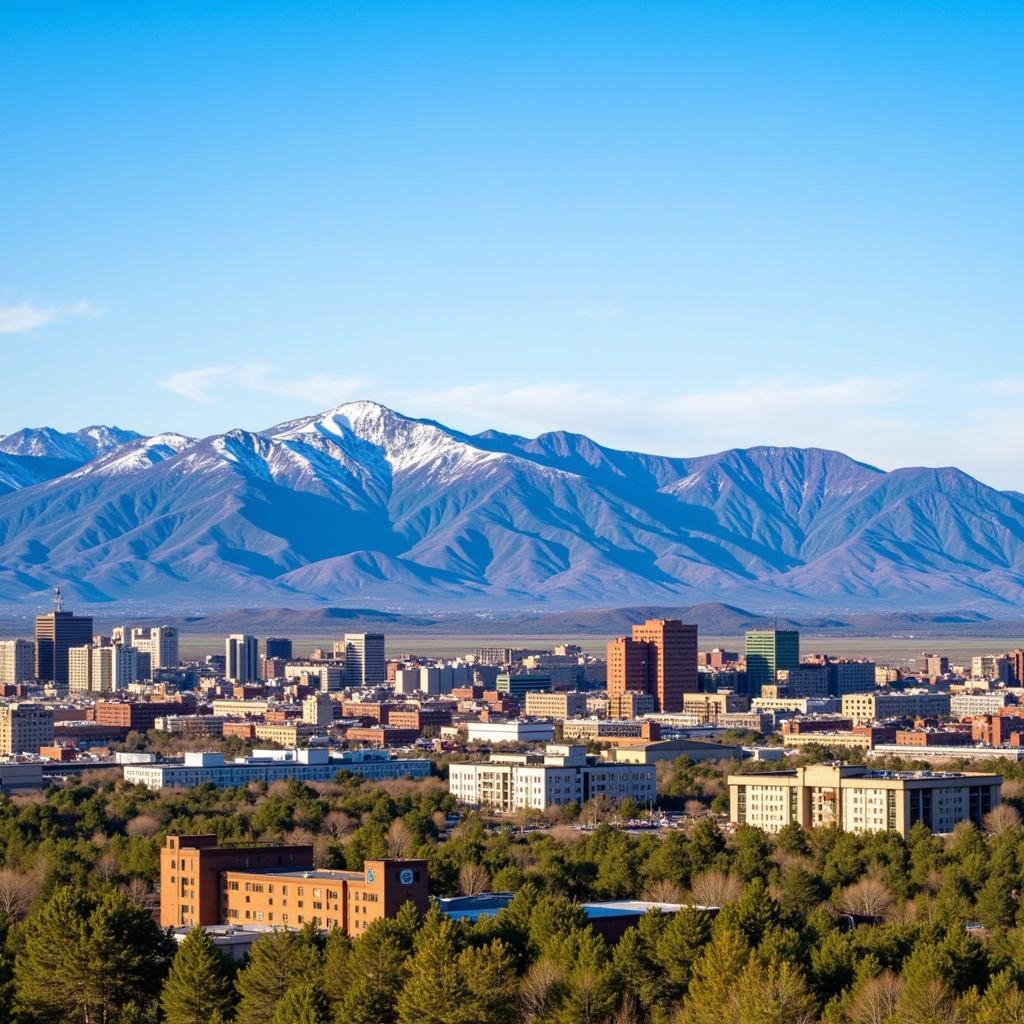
(24, 728)
(106, 668)
(863, 708)
(563, 774)
(857, 799)
(438, 680)
(159, 642)
(318, 710)
(326, 678)
(516, 731)
(242, 658)
(407, 680)
(364, 659)
(970, 704)
(314, 764)
(17, 661)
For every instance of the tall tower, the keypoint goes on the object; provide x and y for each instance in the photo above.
(364, 659)
(241, 658)
(767, 652)
(56, 633)
(671, 662)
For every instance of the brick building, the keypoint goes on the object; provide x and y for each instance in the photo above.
(204, 884)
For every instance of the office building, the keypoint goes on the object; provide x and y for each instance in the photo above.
(768, 651)
(563, 774)
(102, 668)
(305, 765)
(277, 647)
(24, 728)
(318, 710)
(365, 663)
(241, 658)
(931, 664)
(17, 661)
(134, 715)
(518, 684)
(204, 884)
(160, 643)
(856, 799)
(56, 633)
(847, 676)
(555, 705)
(1016, 660)
(875, 707)
(996, 668)
(659, 659)
(516, 731)
(325, 678)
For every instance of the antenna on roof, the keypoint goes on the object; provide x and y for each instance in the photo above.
(58, 600)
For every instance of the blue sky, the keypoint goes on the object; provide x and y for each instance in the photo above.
(677, 227)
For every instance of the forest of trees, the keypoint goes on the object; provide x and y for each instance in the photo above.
(78, 942)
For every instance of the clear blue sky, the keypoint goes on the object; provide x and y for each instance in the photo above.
(677, 227)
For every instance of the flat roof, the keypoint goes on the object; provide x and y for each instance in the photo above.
(311, 874)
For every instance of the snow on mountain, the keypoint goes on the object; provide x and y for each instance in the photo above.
(361, 502)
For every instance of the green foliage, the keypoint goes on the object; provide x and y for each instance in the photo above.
(198, 985)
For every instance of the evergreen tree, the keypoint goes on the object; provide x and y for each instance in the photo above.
(711, 997)
(436, 991)
(277, 961)
(374, 975)
(337, 950)
(677, 950)
(591, 988)
(303, 1003)
(773, 992)
(1002, 1003)
(198, 985)
(490, 976)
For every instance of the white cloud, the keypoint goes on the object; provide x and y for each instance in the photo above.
(318, 390)
(20, 317)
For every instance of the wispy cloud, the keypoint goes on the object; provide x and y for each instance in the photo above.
(21, 317)
(320, 389)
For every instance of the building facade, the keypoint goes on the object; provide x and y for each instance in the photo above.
(17, 661)
(365, 663)
(56, 633)
(853, 798)
(24, 728)
(241, 658)
(768, 651)
(563, 774)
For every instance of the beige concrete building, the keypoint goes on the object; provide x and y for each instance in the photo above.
(17, 661)
(856, 799)
(24, 728)
(672, 750)
(862, 708)
(286, 734)
(709, 706)
(555, 705)
(595, 729)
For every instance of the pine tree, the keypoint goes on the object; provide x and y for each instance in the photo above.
(303, 1003)
(591, 988)
(1002, 1003)
(711, 997)
(337, 950)
(678, 948)
(197, 986)
(277, 961)
(436, 991)
(374, 974)
(773, 993)
(490, 976)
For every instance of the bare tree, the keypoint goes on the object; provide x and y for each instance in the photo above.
(17, 893)
(400, 839)
(715, 888)
(473, 879)
(867, 897)
(337, 824)
(538, 990)
(106, 867)
(694, 808)
(141, 893)
(1002, 818)
(874, 1002)
(142, 825)
(664, 891)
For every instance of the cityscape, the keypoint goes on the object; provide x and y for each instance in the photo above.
(511, 513)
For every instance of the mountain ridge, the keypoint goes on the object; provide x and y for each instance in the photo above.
(361, 502)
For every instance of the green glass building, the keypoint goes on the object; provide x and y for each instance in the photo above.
(768, 651)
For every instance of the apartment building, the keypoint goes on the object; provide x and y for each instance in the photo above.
(563, 774)
(857, 799)
(278, 886)
(303, 765)
(660, 659)
(556, 705)
(365, 663)
(17, 661)
(24, 728)
(872, 707)
(710, 705)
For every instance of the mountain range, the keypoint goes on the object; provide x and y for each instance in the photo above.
(364, 505)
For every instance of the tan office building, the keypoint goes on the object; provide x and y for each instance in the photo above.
(24, 728)
(862, 708)
(555, 705)
(856, 799)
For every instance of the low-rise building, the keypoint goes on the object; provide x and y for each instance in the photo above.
(563, 774)
(873, 707)
(857, 799)
(24, 728)
(302, 765)
(515, 731)
(571, 704)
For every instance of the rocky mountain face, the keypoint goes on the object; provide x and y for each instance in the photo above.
(361, 504)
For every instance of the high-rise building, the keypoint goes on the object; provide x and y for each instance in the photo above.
(931, 664)
(1016, 660)
(17, 661)
(277, 647)
(56, 633)
(364, 659)
(241, 658)
(659, 659)
(159, 642)
(24, 728)
(768, 651)
(102, 668)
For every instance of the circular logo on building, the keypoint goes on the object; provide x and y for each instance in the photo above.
(406, 876)
(371, 876)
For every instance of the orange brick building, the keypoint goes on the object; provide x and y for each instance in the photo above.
(659, 659)
(204, 884)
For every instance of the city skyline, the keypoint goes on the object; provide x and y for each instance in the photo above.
(807, 222)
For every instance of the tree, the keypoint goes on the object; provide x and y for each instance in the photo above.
(198, 984)
(715, 888)
(875, 999)
(678, 948)
(591, 993)
(303, 1003)
(277, 961)
(1002, 1003)
(773, 993)
(867, 897)
(436, 991)
(711, 997)
(473, 879)
(374, 974)
(489, 973)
